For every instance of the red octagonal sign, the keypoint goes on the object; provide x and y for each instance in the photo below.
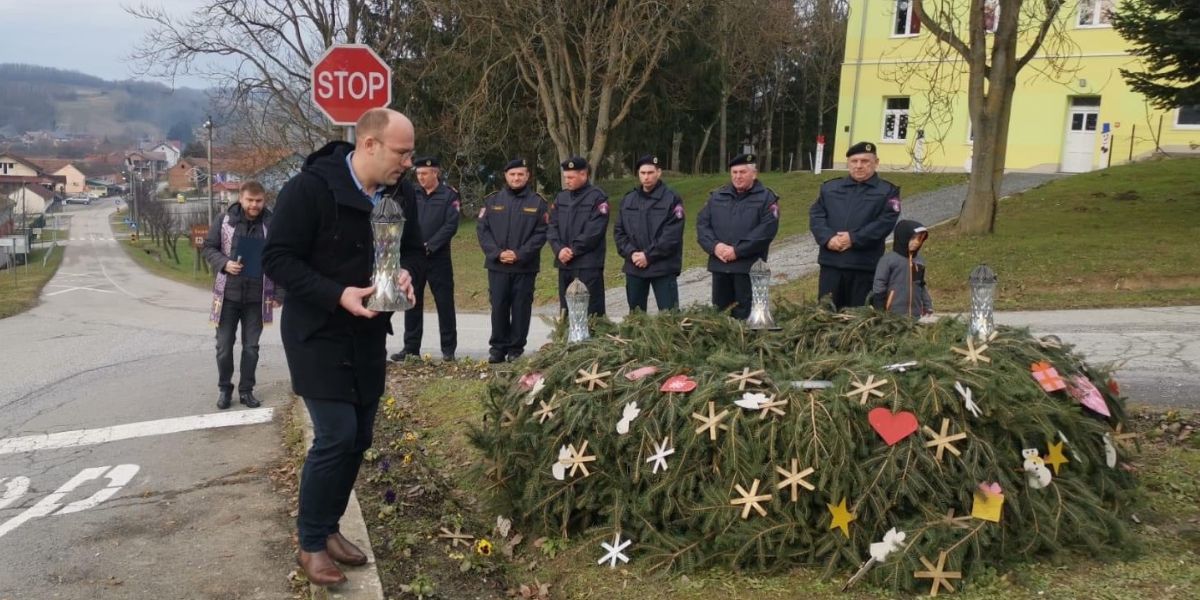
(348, 80)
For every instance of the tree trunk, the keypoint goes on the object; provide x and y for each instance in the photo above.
(782, 140)
(722, 154)
(766, 155)
(990, 149)
(676, 145)
(696, 165)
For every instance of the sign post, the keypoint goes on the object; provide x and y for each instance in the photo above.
(820, 155)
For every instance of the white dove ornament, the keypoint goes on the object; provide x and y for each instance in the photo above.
(892, 541)
(628, 415)
(559, 468)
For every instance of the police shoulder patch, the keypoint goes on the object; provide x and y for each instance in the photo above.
(482, 212)
(602, 207)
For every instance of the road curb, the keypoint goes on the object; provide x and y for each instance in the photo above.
(364, 583)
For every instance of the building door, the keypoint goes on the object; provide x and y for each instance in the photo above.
(1080, 145)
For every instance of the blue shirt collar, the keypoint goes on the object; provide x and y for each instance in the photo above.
(374, 198)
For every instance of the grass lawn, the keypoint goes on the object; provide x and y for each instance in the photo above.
(21, 286)
(422, 457)
(797, 191)
(153, 258)
(1125, 236)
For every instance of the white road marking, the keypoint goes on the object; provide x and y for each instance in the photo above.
(117, 477)
(74, 288)
(87, 437)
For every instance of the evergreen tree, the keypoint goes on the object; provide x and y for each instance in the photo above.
(1166, 35)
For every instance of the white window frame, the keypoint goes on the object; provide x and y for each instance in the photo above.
(883, 133)
(908, 20)
(1098, 10)
(1189, 126)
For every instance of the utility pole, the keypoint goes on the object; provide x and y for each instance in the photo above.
(208, 124)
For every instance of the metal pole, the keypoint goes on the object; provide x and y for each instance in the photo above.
(1132, 135)
(209, 126)
(350, 134)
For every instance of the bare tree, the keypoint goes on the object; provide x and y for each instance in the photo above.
(258, 53)
(988, 41)
(587, 63)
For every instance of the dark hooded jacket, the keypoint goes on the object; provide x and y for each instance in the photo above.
(237, 287)
(900, 276)
(320, 242)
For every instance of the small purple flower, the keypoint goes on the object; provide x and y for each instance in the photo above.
(385, 465)
(389, 496)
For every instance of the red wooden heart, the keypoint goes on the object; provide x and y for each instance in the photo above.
(892, 427)
(678, 383)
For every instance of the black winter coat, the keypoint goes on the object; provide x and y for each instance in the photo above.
(867, 210)
(579, 221)
(512, 220)
(237, 287)
(320, 242)
(747, 221)
(651, 222)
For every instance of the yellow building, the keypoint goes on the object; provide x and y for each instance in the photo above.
(1059, 121)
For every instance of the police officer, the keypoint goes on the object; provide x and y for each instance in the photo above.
(736, 228)
(578, 224)
(850, 220)
(512, 230)
(425, 252)
(649, 236)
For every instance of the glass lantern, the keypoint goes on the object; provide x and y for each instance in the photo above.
(387, 227)
(577, 305)
(760, 300)
(983, 301)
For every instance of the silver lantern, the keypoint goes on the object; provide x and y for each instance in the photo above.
(983, 301)
(760, 298)
(387, 227)
(577, 304)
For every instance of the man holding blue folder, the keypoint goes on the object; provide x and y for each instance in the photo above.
(242, 295)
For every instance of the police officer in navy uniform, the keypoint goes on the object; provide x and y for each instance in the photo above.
(512, 230)
(425, 251)
(578, 225)
(736, 228)
(649, 236)
(850, 220)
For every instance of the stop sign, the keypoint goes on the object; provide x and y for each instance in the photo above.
(348, 80)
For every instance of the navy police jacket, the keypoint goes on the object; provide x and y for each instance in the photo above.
(579, 221)
(868, 210)
(434, 219)
(747, 221)
(512, 220)
(651, 222)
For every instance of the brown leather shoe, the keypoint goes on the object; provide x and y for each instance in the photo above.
(319, 568)
(343, 551)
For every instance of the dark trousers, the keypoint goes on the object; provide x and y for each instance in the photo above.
(845, 287)
(666, 292)
(249, 316)
(593, 280)
(732, 289)
(511, 295)
(439, 274)
(341, 433)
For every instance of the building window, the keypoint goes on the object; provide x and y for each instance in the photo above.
(895, 119)
(1188, 117)
(907, 22)
(991, 15)
(1094, 13)
(5, 166)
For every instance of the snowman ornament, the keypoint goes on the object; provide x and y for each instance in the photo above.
(1036, 473)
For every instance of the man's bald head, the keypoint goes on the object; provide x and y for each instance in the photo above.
(376, 121)
(384, 142)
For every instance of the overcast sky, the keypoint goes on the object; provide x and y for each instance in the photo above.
(91, 36)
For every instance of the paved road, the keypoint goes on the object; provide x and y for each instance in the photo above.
(189, 514)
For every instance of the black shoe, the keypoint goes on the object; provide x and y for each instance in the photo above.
(514, 356)
(404, 355)
(447, 357)
(249, 400)
(225, 399)
(495, 358)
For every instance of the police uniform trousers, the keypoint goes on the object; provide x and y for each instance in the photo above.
(438, 272)
(732, 289)
(511, 295)
(666, 292)
(846, 288)
(593, 280)
(342, 432)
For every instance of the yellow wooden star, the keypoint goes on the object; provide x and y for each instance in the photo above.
(711, 422)
(938, 574)
(840, 517)
(751, 500)
(1055, 456)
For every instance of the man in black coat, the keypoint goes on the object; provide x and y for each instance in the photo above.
(512, 230)
(578, 227)
(425, 254)
(649, 236)
(320, 248)
(242, 296)
(736, 228)
(850, 220)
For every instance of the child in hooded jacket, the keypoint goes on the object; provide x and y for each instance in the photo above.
(900, 274)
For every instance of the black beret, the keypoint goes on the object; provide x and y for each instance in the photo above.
(516, 163)
(742, 159)
(860, 148)
(648, 159)
(426, 161)
(575, 163)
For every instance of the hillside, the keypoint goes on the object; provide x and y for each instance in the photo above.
(41, 98)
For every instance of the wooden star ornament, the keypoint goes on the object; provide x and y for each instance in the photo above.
(545, 412)
(711, 422)
(593, 378)
(940, 576)
(794, 478)
(865, 390)
(972, 354)
(577, 459)
(751, 500)
(456, 537)
(746, 377)
(943, 440)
